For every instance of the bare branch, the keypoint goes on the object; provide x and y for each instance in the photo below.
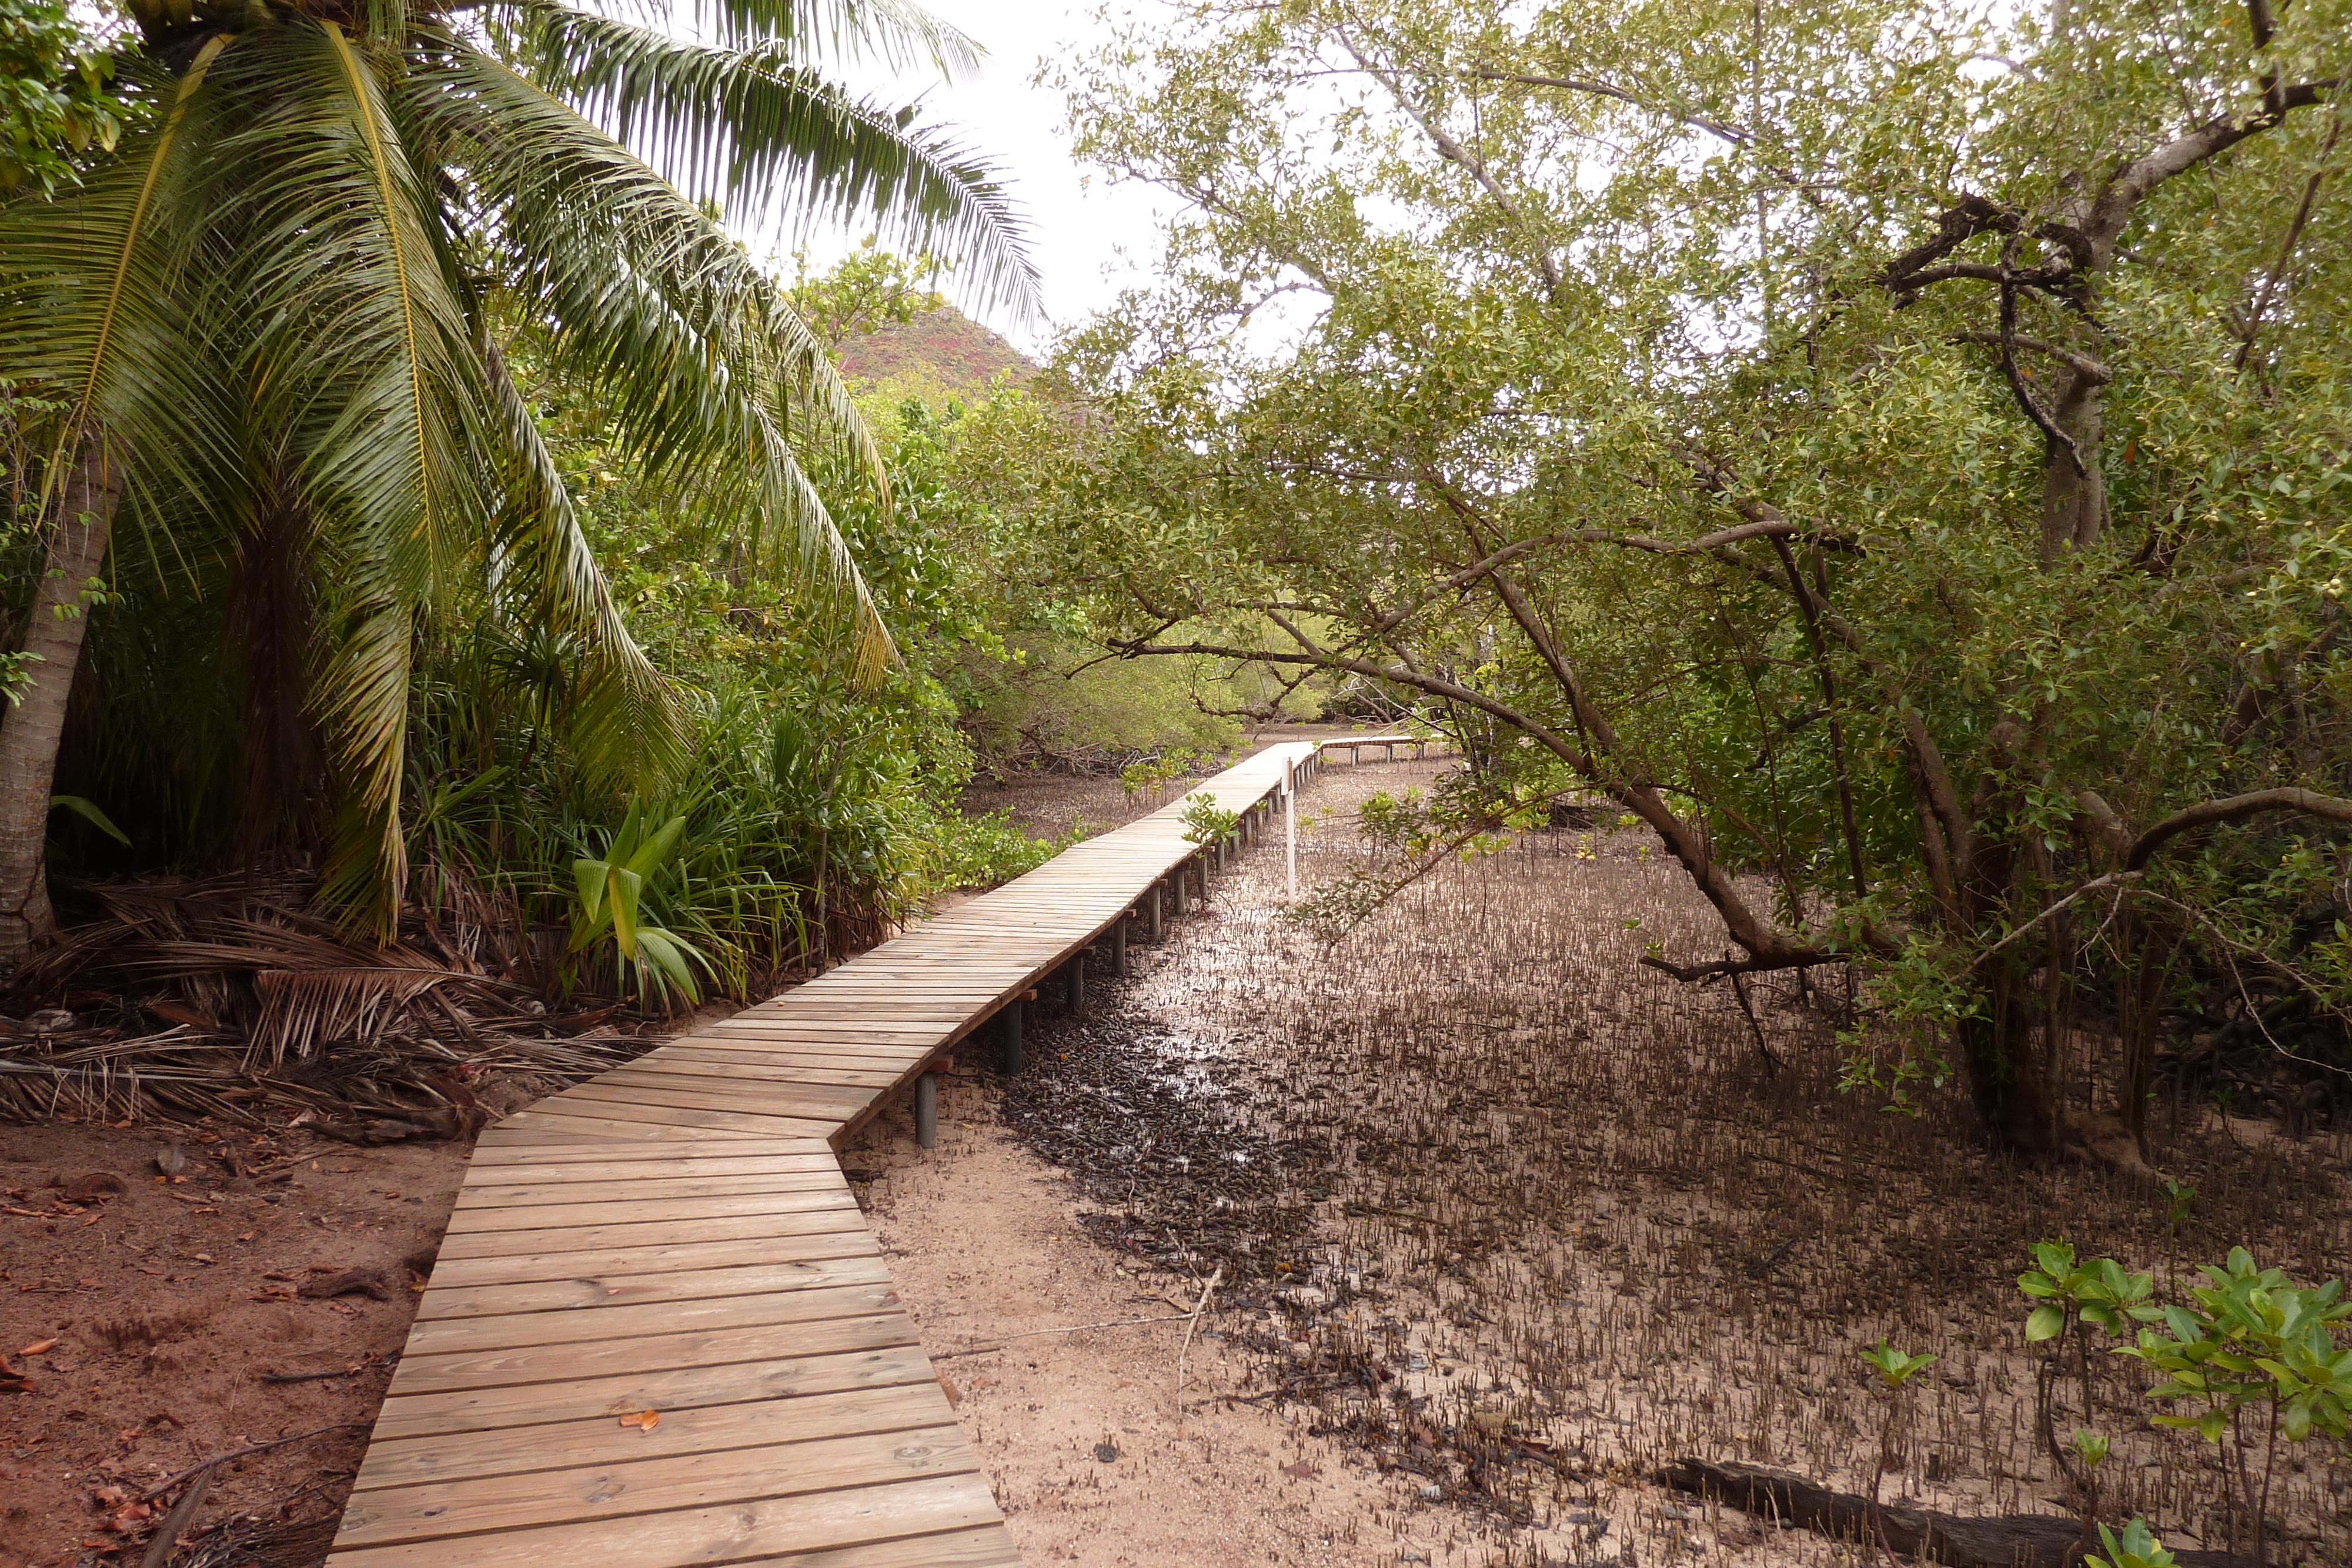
(2237, 807)
(2050, 427)
(1736, 135)
(2094, 371)
(2132, 184)
(1452, 151)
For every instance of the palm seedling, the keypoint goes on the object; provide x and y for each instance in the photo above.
(274, 321)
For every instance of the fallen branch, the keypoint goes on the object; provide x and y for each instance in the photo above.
(1186, 1348)
(160, 1488)
(2002, 1540)
(167, 1534)
(1067, 1328)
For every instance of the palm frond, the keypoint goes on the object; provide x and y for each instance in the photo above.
(627, 725)
(699, 360)
(381, 432)
(753, 126)
(896, 33)
(107, 344)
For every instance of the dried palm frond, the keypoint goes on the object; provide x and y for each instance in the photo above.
(229, 996)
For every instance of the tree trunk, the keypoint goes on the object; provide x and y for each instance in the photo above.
(269, 640)
(2008, 1076)
(2075, 499)
(30, 731)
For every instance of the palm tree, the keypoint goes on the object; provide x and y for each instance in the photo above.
(273, 319)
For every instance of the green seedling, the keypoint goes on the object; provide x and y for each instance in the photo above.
(1206, 822)
(1894, 1369)
(2137, 1547)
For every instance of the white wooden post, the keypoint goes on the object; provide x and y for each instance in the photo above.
(1290, 831)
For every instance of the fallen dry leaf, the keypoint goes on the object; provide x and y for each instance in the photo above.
(97, 1184)
(1301, 1471)
(39, 1347)
(369, 1282)
(644, 1420)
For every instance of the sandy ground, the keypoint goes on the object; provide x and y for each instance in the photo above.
(146, 1322)
(1097, 1455)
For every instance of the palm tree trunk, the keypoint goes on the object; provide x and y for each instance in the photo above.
(30, 731)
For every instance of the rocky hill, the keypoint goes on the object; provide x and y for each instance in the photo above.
(941, 353)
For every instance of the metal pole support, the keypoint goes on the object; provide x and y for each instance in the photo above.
(927, 1110)
(1009, 1035)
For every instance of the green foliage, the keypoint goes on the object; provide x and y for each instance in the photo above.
(1895, 1368)
(87, 811)
(2249, 1336)
(1152, 775)
(1206, 822)
(2097, 1292)
(58, 102)
(2137, 1547)
(651, 962)
(2248, 1340)
(1603, 430)
(348, 410)
(984, 851)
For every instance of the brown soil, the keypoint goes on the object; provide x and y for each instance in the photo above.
(146, 1320)
(985, 1240)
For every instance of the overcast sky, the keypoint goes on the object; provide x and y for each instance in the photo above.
(1087, 239)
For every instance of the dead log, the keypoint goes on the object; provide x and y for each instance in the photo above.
(2001, 1540)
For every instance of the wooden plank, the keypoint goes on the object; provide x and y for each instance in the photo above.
(860, 1267)
(674, 1257)
(491, 1163)
(675, 1235)
(570, 1212)
(560, 1126)
(619, 1393)
(554, 1240)
(408, 1461)
(741, 1124)
(399, 1516)
(689, 1059)
(589, 1187)
(745, 1097)
(609, 1320)
(519, 1365)
(732, 1533)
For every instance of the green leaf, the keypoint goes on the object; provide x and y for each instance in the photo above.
(2044, 1322)
(87, 810)
(656, 851)
(589, 876)
(627, 888)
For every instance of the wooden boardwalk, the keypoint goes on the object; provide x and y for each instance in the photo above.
(675, 1238)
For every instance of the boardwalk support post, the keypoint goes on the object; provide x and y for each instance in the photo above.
(1074, 976)
(1158, 892)
(1118, 946)
(927, 1110)
(1009, 1033)
(1182, 883)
